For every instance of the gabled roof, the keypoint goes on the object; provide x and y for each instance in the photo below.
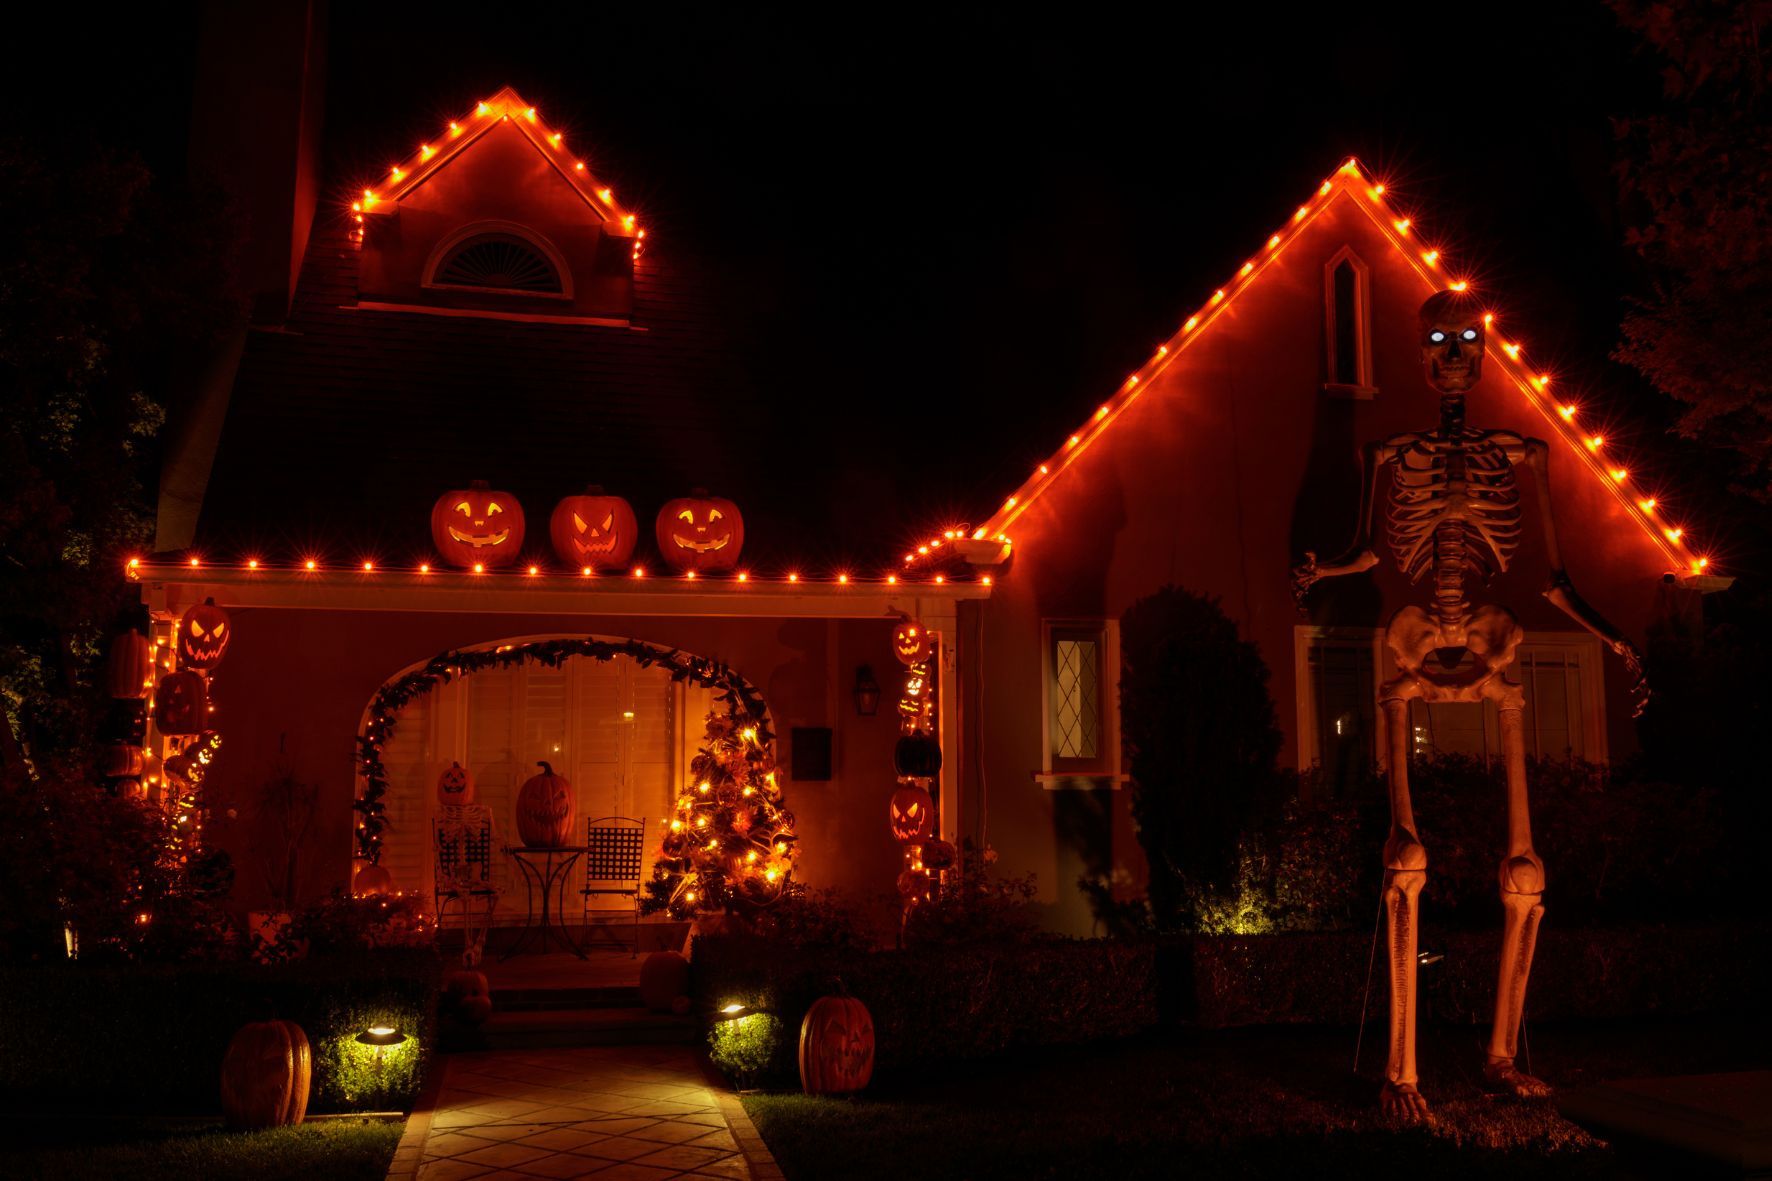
(1566, 420)
(507, 106)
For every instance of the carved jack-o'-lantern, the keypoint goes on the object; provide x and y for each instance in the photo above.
(912, 814)
(910, 642)
(595, 530)
(454, 787)
(129, 667)
(700, 532)
(836, 1046)
(544, 810)
(203, 636)
(917, 756)
(372, 881)
(181, 703)
(477, 526)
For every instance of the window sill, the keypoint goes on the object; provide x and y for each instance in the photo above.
(1360, 393)
(488, 314)
(1079, 780)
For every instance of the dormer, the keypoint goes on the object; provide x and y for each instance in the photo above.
(497, 218)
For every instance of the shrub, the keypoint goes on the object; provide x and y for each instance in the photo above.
(745, 1048)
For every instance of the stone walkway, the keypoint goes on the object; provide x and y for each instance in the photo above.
(615, 1113)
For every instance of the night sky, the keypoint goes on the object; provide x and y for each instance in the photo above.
(976, 223)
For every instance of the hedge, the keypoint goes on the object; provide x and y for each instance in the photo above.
(150, 1038)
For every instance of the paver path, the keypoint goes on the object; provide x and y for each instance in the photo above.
(615, 1113)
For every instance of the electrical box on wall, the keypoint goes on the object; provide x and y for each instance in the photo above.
(809, 754)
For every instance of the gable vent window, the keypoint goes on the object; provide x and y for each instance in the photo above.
(499, 262)
(1347, 322)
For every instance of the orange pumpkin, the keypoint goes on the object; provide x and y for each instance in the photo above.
(836, 1046)
(544, 810)
(468, 996)
(912, 814)
(265, 1076)
(203, 636)
(476, 526)
(181, 704)
(455, 788)
(913, 886)
(129, 666)
(917, 756)
(910, 642)
(664, 979)
(121, 761)
(700, 532)
(372, 881)
(595, 530)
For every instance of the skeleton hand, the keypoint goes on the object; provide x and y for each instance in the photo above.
(1633, 663)
(1304, 576)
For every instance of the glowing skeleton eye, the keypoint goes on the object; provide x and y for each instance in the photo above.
(1468, 334)
(686, 515)
(494, 507)
(1437, 336)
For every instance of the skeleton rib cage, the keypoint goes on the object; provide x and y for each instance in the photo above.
(1454, 509)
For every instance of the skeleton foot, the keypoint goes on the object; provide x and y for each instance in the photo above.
(1402, 1103)
(1502, 1075)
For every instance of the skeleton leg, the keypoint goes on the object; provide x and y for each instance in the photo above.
(1405, 871)
(1522, 889)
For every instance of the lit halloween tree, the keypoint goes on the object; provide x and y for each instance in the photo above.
(730, 844)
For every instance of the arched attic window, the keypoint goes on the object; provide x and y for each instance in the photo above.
(499, 260)
(1347, 322)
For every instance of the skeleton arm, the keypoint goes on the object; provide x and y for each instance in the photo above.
(1359, 556)
(1561, 591)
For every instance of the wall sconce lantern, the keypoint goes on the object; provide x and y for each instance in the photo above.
(867, 692)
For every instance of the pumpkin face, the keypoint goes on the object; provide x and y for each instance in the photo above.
(917, 756)
(372, 881)
(181, 703)
(203, 636)
(265, 1076)
(129, 666)
(912, 814)
(664, 979)
(477, 526)
(594, 530)
(836, 1046)
(544, 810)
(700, 532)
(910, 642)
(454, 788)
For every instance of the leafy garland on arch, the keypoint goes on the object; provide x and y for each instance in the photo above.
(743, 704)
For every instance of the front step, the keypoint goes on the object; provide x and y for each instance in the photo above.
(532, 1029)
(515, 1000)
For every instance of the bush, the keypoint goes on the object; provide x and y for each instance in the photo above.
(151, 1037)
(744, 1048)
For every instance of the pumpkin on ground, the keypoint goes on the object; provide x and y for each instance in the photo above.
(544, 810)
(700, 532)
(455, 788)
(265, 1076)
(203, 636)
(129, 666)
(469, 996)
(595, 530)
(181, 704)
(372, 881)
(836, 1046)
(476, 526)
(912, 814)
(664, 979)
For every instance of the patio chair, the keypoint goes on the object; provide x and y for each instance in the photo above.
(614, 853)
(464, 873)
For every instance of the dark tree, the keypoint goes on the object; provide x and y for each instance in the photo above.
(1201, 742)
(1697, 181)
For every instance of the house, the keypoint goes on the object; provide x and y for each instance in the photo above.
(487, 308)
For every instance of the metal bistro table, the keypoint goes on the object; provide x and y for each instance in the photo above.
(544, 870)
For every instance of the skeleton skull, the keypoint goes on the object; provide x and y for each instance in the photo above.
(1452, 341)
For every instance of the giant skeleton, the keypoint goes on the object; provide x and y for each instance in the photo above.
(1454, 517)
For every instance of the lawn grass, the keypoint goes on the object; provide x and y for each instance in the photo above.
(164, 1150)
(1251, 1103)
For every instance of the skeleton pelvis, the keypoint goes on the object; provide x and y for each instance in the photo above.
(1431, 660)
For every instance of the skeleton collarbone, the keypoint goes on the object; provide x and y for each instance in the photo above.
(1454, 500)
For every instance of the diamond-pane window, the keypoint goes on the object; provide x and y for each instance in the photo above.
(1076, 697)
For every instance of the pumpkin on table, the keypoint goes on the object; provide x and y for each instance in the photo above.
(455, 788)
(203, 636)
(912, 814)
(265, 1076)
(836, 1046)
(544, 810)
(129, 666)
(477, 526)
(700, 532)
(594, 529)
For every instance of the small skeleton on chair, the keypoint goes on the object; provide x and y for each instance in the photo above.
(1454, 516)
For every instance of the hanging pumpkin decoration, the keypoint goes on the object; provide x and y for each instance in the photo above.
(917, 756)
(181, 704)
(203, 636)
(939, 855)
(912, 814)
(121, 761)
(544, 810)
(265, 1076)
(594, 529)
(468, 997)
(372, 881)
(455, 789)
(477, 526)
(129, 666)
(913, 886)
(664, 977)
(910, 642)
(836, 1046)
(700, 532)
